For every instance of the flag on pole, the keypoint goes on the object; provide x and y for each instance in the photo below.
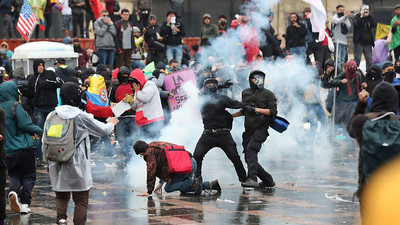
(41, 20)
(27, 21)
(318, 17)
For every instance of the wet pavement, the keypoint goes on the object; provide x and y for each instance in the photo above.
(315, 186)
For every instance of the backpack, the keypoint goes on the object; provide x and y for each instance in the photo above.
(381, 141)
(178, 159)
(58, 140)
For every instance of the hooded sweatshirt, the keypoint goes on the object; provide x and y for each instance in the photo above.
(373, 78)
(19, 127)
(147, 102)
(9, 53)
(65, 72)
(43, 87)
(76, 174)
(208, 31)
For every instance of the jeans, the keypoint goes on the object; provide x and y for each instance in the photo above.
(81, 200)
(22, 171)
(125, 130)
(299, 51)
(106, 56)
(341, 56)
(174, 52)
(366, 49)
(137, 64)
(315, 113)
(224, 141)
(184, 182)
(40, 115)
(252, 142)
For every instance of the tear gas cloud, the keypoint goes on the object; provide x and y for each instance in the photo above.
(288, 79)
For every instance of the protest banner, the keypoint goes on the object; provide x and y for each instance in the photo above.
(173, 83)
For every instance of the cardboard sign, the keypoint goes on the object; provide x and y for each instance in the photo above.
(173, 83)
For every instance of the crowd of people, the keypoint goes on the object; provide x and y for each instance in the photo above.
(113, 74)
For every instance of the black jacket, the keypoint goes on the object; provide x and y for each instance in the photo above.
(362, 25)
(169, 37)
(214, 112)
(151, 37)
(296, 36)
(272, 44)
(259, 98)
(3, 133)
(43, 87)
(65, 73)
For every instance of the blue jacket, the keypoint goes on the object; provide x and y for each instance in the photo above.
(19, 127)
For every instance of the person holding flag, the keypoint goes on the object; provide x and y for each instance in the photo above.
(37, 7)
(27, 21)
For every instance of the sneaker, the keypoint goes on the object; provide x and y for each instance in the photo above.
(250, 183)
(215, 185)
(24, 209)
(266, 185)
(198, 185)
(14, 203)
(62, 222)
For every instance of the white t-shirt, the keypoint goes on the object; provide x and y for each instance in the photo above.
(65, 9)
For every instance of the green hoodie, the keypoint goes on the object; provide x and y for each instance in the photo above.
(18, 136)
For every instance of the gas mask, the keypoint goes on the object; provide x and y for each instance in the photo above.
(258, 82)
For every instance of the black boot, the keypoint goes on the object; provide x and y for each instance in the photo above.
(215, 185)
(198, 185)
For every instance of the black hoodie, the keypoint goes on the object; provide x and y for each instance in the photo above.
(43, 87)
(296, 36)
(373, 78)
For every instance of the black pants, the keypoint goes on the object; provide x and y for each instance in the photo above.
(224, 141)
(89, 17)
(155, 56)
(252, 142)
(22, 171)
(48, 20)
(2, 193)
(77, 20)
(397, 53)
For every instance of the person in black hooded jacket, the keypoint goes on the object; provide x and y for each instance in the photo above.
(373, 77)
(296, 36)
(385, 98)
(42, 88)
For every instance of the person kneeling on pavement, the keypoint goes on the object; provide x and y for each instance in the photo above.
(157, 166)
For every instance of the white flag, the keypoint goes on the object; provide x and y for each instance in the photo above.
(318, 17)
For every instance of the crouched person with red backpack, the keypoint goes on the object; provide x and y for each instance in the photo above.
(171, 164)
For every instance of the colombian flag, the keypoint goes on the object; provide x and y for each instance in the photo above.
(41, 20)
(97, 98)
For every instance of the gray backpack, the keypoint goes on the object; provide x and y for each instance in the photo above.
(58, 140)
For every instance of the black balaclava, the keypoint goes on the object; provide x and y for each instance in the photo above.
(210, 89)
(260, 78)
(397, 68)
(385, 98)
(36, 63)
(123, 79)
(389, 76)
(70, 94)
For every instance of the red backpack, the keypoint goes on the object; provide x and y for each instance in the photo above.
(178, 159)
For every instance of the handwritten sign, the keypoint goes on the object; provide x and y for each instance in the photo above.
(173, 83)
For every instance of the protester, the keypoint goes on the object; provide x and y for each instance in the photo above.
(19, 149)
(89, 16)
(63, 71)
(156, 49)
(209, 31)
(217, 126)
(340, 27)
(126, 129)
(295, 36)
(373, 77)
(78, 9)
(363, 37)
(66, 17)
(5, 13)
(42, 89)
(385, 99)
(172, 32)
(321, 49)
(388, 72)
(146, 8)
(47, 17)
(3, 166)
(93, 58)
(105, 34)
(147, 104)
(395, 29)
(110, 5)
(83, 58)
(222, 24)
(138, 55)
(77, 168)
(4, 46)
(137, 19)
(157, 166)
(350, 84)
(125, 41)
(272, 48)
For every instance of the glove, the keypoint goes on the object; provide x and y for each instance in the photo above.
(128, 99)
(248, 109)
(226, 84)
